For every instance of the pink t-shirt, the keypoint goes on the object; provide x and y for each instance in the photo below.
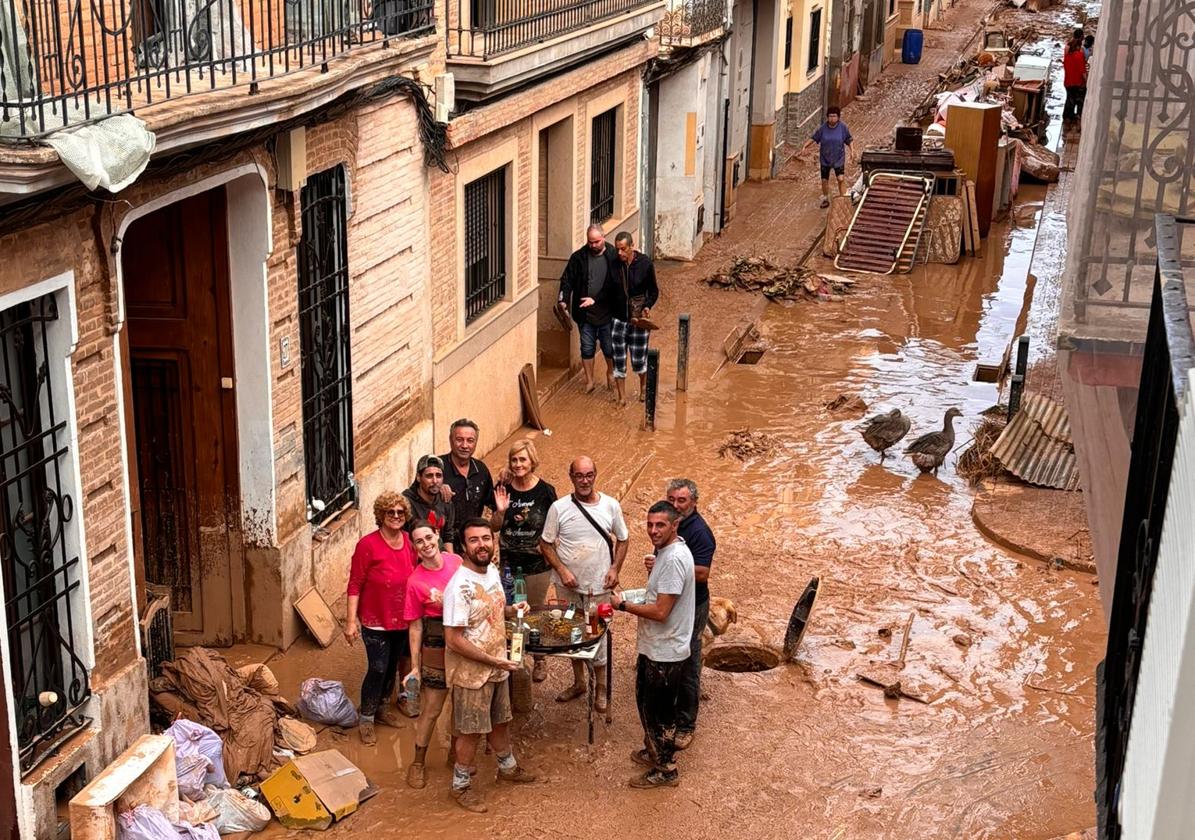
(425, 589)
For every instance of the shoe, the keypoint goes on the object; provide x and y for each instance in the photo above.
(656, 778)
(417, 776)
(368, 736)
(406, 707)
(571, 693)
(517, 776)
(683, 740)
(599, 699)
(642, 396)
(824, 203)
(590, 388)
(539, 673)
(389, 717)
(643, 757)
(469, 799)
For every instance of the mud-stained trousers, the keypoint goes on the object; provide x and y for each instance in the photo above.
(657, 689)
(690, 689)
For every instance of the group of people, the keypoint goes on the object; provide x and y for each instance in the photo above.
(429, 595)
(609, 291)
(1076, 63)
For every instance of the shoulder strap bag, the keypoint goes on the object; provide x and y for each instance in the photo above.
(605, 536)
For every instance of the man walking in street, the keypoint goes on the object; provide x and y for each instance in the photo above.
(1074, 79)
(682, 495)
(665, 627)
(427, 505)
(585, 542)
(834, 146)
(588, 287)
(468, 485)
(638, 294)
(475, 614)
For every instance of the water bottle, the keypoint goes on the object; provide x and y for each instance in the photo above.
(520, 586)
(508, 583)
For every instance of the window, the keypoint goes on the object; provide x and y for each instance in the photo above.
(815, 41)
(891, 7)
(601, 168)
(324, 346)
(788, 42)
(40, 563)
(485, 243)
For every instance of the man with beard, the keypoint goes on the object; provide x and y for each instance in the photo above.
(477, 668)
(427, 505)
(589, 289)
(468, 485)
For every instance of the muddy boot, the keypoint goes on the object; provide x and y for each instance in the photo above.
(365, 729)
(656, 778)
(683, 740)
(389, 717)
(417, 776)
(469, 799)
(516, 776)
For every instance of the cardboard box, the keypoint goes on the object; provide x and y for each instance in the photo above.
(311, 791)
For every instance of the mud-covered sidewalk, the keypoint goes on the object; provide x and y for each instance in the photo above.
(1001, 646)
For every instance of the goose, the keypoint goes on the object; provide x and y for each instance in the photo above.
(885, 430)
(929, 451)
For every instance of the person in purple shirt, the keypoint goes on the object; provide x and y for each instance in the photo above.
(834, 146)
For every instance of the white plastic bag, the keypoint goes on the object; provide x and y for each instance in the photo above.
(192, 738)
(204, 831)
(324, 701)
(237, 811)
(191, 771)
(145, 823)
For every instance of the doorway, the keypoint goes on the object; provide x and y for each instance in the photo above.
(554, 197)
(184, 430)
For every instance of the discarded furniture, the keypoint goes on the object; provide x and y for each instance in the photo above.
(144, 774)
(885, 234)
(973, 133)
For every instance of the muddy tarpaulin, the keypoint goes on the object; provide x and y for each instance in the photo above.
(243, 718)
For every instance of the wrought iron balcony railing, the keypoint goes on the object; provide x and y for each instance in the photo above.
(692, 22)
(486, 29)
(67, 62)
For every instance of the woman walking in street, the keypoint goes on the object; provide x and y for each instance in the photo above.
(423, 608)
(523, 500)
(382, 562)
(1074, 79)
(833, 140)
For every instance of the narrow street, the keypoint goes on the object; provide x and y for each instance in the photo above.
(1002, 647)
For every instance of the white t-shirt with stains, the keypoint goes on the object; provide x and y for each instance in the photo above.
(578, 544)
(477, 603)
(668, 640)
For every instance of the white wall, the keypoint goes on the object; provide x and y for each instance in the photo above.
(681, 160)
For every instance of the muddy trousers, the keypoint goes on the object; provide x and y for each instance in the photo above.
(1073, 109)
(383, 649)
(657, 688)
(690, 687)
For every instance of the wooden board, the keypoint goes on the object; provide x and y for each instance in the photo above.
(317, 616)
(144, 774)
(972, 211)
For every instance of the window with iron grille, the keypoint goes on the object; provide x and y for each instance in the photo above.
(601, 168)
(485, 243)
(324, 346)
(39, 559)
(788, 42)
(815, 41)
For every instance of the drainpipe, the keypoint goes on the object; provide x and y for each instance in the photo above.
(650, 138)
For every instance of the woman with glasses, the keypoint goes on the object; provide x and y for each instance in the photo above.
(382, 562)
(424, 610)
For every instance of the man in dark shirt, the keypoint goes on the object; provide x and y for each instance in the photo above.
(682, 494)
(588, 287)
(427, 505)
(468, 485)
(637, 294)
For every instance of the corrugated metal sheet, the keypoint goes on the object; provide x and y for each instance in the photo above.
(884, 234)
(1037, 447)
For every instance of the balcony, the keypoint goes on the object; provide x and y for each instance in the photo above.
(495, 46)
(691, 23)
(69, 62)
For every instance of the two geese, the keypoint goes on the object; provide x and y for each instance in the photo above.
(927, 452)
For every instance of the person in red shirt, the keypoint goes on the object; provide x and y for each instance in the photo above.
(424, 610)
(382, 562)
(1074, 79)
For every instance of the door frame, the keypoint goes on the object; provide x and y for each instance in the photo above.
(250, 242)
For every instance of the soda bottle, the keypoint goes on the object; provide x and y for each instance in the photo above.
(508, 584)
(520, 586)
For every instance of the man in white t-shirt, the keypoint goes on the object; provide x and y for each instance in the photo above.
(665, 631)
(475, 614)
(585, 542)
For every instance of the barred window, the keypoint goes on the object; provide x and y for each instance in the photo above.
(324, 352)
(485, 243)
(39, 560)
(815, 41)
(601, 168)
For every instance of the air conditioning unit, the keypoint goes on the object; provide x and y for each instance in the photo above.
(445, 89)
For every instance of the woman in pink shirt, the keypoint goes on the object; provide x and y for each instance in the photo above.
(424, 610)
(382, 562)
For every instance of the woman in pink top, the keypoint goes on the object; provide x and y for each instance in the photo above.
(424, 610)
(382, 562)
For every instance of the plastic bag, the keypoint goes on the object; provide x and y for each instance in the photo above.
(145, 823)
(191, 771)
(324, 701)
(192, 738)
(295, 735)
(237, 812)
(203, 831)
(196, 813)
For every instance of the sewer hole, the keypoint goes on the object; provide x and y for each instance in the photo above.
(741, 658)
(750, 357)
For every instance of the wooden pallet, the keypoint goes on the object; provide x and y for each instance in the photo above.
(886, 231)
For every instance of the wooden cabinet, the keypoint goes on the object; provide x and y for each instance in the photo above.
(973, 134)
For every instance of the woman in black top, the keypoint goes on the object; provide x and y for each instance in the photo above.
(522, 500)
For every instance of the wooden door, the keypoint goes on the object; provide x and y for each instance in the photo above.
(184, 414)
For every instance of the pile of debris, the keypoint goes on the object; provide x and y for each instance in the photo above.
(977, 462)
(759, 274)
(744, 443)
(847, 404)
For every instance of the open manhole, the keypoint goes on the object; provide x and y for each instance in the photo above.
(751, 356)
(741, 658)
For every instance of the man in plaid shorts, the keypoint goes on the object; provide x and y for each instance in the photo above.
(637, 285)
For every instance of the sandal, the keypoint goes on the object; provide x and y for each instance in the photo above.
(571, 693)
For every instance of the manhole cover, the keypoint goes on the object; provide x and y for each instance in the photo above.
(741, 658)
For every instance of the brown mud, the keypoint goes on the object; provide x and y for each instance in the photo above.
(1004, 747)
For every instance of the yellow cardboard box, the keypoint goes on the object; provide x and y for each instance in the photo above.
(310, 791)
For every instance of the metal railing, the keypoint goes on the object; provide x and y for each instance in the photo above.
(691, 22)
(488, 28)
(67, 62)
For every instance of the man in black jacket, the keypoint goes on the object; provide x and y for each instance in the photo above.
(589, 289)
(638, 293)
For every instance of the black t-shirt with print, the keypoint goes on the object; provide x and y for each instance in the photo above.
(522, 526)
